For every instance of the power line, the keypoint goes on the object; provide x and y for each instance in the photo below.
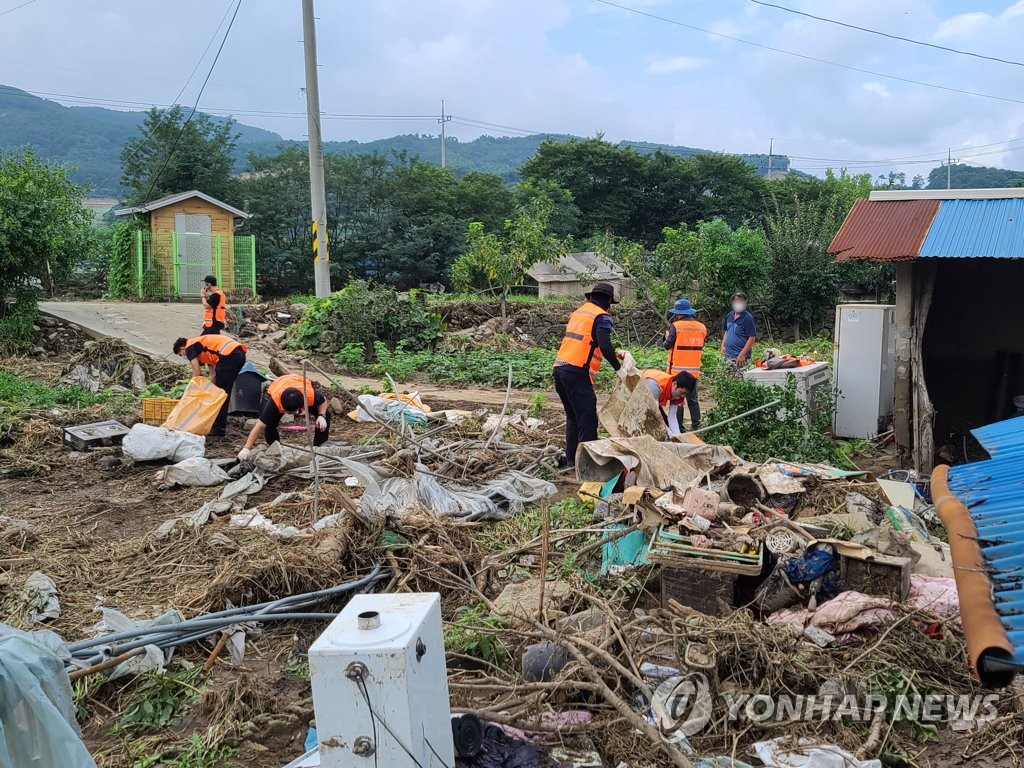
(811, 58)
(12, 10)
(890, 36)
(199, 96)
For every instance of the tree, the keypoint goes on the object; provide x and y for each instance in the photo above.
(602, 178)
(173, 156)
(805, 274)
(44, 232)
(501, 261)
(730, 260)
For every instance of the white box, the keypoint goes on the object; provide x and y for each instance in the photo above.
(402, 664)
(813, 384)
(865, 371)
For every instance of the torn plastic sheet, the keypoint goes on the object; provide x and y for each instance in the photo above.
(40, 595)
(374, 408)
(495, 499)
(152, 658)
(44, 637)
(252, 482)
(194, 472)
(807, 753)
(650, 463)
(37, 716)
(495, 422)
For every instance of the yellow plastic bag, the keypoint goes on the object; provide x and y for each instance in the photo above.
(198, 407)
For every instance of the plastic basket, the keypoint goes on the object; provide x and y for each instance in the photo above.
(155, 410)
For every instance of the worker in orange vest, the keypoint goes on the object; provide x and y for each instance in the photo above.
(587, 341)
(670, 391)
(224, 358)
(293, 394)
(684, 341)
(215, 306)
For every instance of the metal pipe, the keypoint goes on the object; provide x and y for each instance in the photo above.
(292, 601)
(734, 418)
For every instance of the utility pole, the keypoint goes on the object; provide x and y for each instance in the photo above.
(771, 147)
(949, 166)
(317, 193)
(442, 121)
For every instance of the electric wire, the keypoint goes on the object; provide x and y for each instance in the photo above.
(888, 35)
(17, 7)
(184, 125)
(361, 683)
(806, 57)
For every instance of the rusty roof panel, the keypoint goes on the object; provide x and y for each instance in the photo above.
(884, 230)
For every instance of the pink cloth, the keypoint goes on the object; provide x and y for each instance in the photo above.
(934, 594)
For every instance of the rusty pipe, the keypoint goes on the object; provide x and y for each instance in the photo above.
(987, 643)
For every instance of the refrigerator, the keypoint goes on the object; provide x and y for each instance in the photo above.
(864, 369)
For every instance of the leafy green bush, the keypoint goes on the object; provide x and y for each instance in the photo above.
(16, 321)
(777, 431)
(365, 314)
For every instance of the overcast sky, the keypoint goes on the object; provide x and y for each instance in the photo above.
(561, 66)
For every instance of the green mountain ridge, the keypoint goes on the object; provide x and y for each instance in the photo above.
(89, 139)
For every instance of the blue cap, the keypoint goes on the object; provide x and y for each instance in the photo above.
(682, 307)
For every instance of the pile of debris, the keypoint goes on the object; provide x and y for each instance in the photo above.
(267, 322)
(53, 338)
(111, 364)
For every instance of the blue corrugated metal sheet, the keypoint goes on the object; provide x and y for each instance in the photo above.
(976, 228)
(993, 492)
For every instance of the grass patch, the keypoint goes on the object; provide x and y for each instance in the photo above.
(476, 632)
(531, 368)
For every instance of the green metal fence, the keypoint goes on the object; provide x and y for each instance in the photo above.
(173, 264)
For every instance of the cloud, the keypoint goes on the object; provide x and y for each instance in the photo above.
(878, 89)
(668, 65)
(964, 25)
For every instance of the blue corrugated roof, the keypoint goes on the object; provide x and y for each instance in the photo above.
(993, 492)
(976, 228)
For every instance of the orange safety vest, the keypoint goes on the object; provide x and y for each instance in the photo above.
(280, 384)
(579, 347)
(686, 352)
(664, 382)
(215, 347)
(211, 316)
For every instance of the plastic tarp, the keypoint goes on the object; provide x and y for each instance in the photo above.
(494, 499)
(147, 443)
(656, 465)
(153, 658)
(630, 411)
(198, 407)
(807, 753)
(37, 716)
(194, 472)
(374, 408)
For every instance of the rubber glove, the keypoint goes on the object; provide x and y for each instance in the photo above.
(321, 423)
(244, 454)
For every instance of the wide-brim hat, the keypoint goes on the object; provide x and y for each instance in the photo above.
(606, 289)
(682, 307)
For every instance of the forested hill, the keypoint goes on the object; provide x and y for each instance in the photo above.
(90, 139)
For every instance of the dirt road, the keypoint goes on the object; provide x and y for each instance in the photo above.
(151, 328)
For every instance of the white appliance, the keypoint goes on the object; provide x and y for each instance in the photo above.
(380, 685)
(812, 384)
(865, 370)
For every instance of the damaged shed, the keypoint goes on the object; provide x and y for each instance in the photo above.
(959, 257)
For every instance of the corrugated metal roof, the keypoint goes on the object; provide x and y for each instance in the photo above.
(586, 265)
(884, 230)
(993, 491)
(977, 228)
